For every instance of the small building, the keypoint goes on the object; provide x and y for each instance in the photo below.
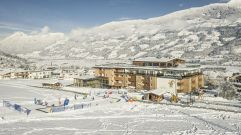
(70, 73)
(19, 74)
(154, 95)
(56, 85)
(5, 74)
(40, 74)
(158, 95)
(87, 81)
(55, 74)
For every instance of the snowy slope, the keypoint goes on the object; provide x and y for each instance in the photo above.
(20, 42)
(211, 30)
(11, 61)
(105, 117)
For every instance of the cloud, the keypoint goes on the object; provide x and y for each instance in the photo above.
(45, 30)
(14, 28)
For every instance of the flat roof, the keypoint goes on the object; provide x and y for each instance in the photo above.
(129, 66)
(154, 59)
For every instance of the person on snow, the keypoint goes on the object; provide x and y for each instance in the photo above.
(35, 101)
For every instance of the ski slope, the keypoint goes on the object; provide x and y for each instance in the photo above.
(115, 118)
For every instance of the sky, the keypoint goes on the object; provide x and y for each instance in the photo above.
(65, 15)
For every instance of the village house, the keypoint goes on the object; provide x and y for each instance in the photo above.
(56, 84)
(19, 74)
(5, 74)
(39, 74)
(70, 73)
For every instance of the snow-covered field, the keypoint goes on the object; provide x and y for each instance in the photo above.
(108, 117)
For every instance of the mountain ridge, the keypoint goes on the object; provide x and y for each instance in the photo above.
(209, 31)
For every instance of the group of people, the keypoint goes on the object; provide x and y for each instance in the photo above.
(45, 103)
(66, 101)
(40, 102)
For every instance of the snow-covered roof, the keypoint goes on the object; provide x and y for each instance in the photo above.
(63, 82)
(86, 77)
(154, 59)
(2, 72)
(127, 66)
(116, 65)
(158, 92)
(180, 69)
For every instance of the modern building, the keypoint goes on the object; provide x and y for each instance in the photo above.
(142, 77)
(87, 81)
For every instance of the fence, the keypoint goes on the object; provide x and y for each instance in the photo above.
(16, 107)
(72, 107)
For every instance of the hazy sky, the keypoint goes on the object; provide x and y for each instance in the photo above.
(64, 15)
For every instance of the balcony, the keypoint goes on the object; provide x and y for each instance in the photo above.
(119, 71)
(180, 90)
(118, 84)
(119, 78)
(131, 79)
(180, 83)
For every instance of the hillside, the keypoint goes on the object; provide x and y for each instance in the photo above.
(209, 31)
(11, 61)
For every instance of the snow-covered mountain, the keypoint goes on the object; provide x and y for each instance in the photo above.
(213, 30)
(11, 61)
(20, 42)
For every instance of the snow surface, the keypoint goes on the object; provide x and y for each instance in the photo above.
(108, 117)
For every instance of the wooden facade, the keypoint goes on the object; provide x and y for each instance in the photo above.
(123, 78)
(150, 74)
